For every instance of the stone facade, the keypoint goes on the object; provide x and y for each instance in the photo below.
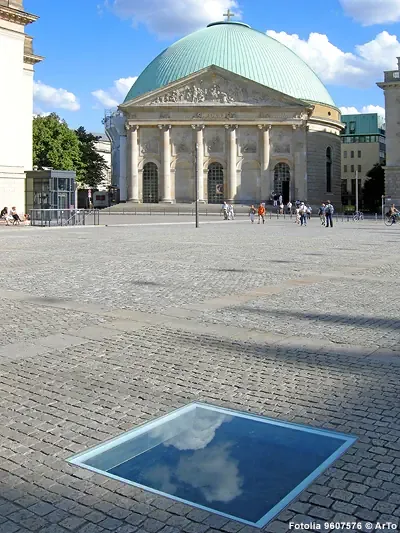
(17, 61)
(244, 140)
(317, 180)
(391, 86)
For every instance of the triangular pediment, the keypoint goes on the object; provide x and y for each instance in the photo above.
(214, 86)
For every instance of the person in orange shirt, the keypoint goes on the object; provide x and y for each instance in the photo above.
(261, 214)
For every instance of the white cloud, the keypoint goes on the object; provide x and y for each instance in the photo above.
(362, 67)
(366, 109)
(370, 12)
(173, 17)
(212, 471)
(194, 431)
(115, 95)
(52, 98)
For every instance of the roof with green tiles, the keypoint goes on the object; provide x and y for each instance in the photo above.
(235, 47)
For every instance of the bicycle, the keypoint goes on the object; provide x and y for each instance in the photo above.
(358, 216)
(391, 219)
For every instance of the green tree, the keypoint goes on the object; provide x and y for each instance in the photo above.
(374, 188)
(55, 145)
(94, 166)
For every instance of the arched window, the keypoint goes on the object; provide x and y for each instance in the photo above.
(282, 181)
(329, 169)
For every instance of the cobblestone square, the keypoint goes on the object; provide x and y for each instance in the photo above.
(105, 328)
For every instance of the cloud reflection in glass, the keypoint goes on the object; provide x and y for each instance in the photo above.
(241, 466)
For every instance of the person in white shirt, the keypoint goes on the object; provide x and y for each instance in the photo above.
(303, 214)
(225, 210)
(231, 213)
(297, 215)
(289, 206)
(280, 200)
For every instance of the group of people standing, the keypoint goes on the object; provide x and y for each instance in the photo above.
(228, 211)
(325, 213)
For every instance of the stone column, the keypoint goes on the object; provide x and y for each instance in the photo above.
(200, 162)
(299, 188)
(133, 180)
(166, 185)
(266, 185)
(232, 161)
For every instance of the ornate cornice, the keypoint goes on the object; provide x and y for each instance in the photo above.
(29, 56)
(15, 15)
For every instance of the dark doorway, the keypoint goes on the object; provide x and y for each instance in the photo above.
(215, 185)
(150, 183)
(282, 181)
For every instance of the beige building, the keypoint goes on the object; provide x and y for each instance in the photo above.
(363, 146)
(17, 62)
(103, 148)
(391, 86)
(248, 128)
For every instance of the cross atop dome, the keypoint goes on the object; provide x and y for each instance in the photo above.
(229, 15)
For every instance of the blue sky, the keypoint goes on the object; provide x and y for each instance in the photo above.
(95, 48)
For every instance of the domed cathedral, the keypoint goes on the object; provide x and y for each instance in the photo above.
(241, 110)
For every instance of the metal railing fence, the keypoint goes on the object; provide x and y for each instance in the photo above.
(64, 217)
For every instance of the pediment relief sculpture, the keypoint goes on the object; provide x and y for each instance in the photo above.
(215, 90)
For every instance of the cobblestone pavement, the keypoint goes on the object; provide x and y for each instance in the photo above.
(104, 328)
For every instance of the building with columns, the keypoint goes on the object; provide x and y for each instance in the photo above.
(17, 61)
(241, 110)
(391, 87)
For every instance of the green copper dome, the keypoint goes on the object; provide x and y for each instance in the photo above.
(235, 47)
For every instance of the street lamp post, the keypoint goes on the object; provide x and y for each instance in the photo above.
(356, 191)
(196, 186)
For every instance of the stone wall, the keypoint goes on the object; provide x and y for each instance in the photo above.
(317, 143)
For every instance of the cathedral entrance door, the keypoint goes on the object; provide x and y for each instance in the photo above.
(150, 183)
(286, 191)
(215, 185)
(282, 181)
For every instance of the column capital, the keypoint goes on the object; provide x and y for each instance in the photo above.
(164, 127)
(265, 127)
(231, 127)
(131, 127)
(198, 127)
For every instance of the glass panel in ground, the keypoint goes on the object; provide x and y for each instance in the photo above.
(238, 466)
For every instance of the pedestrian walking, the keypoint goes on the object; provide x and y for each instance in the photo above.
(321, 214)
(329, 210)
(309, 211)
(231, 213)
(261, 214)
(252, 213)
(303, 214)
(289, 206)
(225, 210)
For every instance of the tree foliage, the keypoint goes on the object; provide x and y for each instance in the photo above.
(57, 146)
(93, 164)
(374, 188)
